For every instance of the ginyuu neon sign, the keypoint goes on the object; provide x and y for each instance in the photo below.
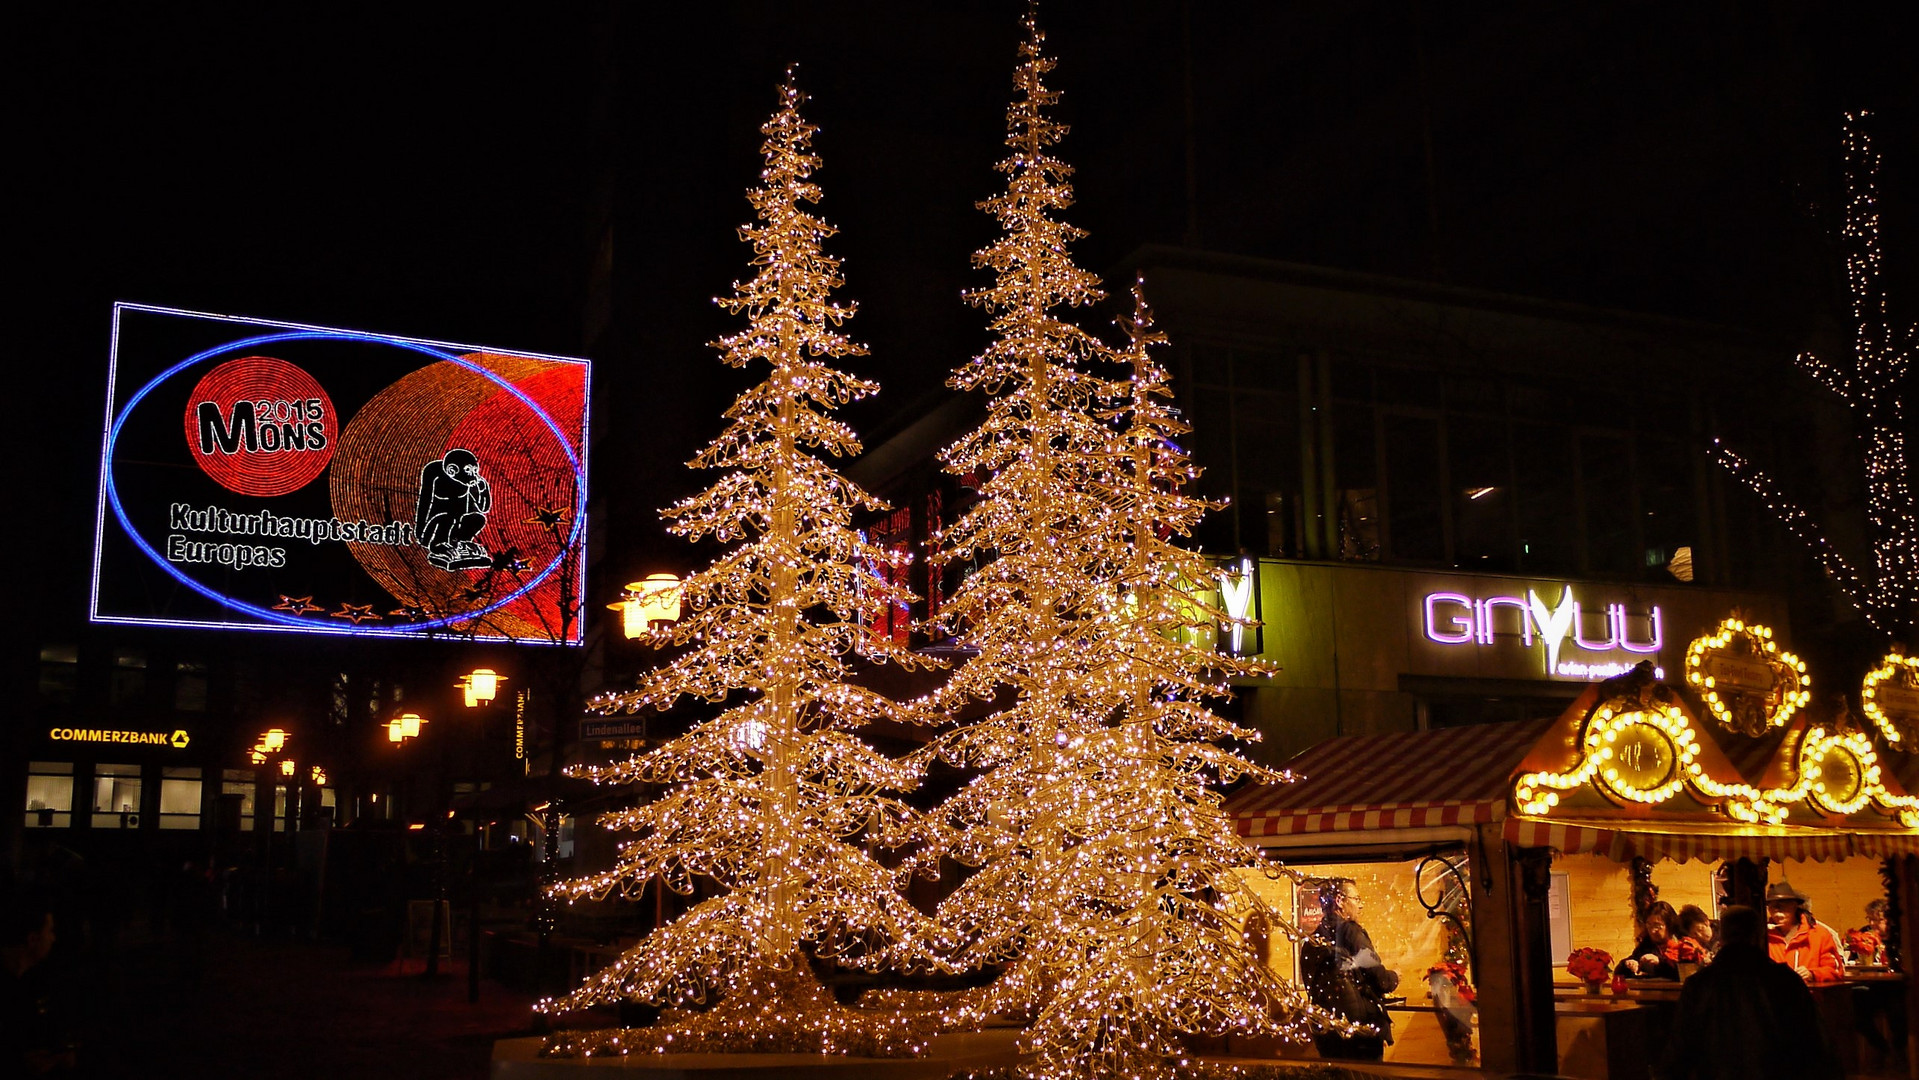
(1457, 619)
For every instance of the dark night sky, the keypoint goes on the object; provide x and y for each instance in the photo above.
(432, 171)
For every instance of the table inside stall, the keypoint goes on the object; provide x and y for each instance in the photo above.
(1608, 1036)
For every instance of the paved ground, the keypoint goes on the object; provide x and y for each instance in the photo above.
(236, 1006)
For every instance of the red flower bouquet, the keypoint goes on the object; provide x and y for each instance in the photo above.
(1865, 946)
(1456, 972)
(1589, 965)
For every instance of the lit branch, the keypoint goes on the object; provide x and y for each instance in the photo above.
(1870, 385)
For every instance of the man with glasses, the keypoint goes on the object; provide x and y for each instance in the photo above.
(1345, 975)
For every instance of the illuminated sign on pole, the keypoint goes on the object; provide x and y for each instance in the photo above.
(272, 476)
(1238, 589)
(1453, 618)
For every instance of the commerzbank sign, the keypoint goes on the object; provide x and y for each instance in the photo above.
(1575, 639)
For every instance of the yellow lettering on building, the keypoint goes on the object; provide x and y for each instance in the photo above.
(176, 739)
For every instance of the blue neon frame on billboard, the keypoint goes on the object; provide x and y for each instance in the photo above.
(282, 621)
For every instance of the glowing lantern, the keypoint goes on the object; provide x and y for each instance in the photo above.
(319, 776)
(655, 599)
(274, 739)
(393, 733)
(287, 766)
(410, 725)
(483, 685)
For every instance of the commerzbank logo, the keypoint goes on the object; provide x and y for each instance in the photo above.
(1566, 631)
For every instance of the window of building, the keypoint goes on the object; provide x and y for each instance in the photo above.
(116, 796)
(1667, 512)
(239, 782)
(190, 686)
(1481, 487)
(338, 699)
(1605, 486)
(59, 672)
(279, 808)
(1547, 512)
(49, 794)
(1266, 427)
(179, 797)
(1356, 479)
(128, 681)
(1413, 492)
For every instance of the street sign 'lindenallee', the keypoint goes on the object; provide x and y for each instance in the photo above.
(270, 476)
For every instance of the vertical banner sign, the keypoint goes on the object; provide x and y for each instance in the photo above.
(269, 476)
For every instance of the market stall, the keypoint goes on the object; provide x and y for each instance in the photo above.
(1558, 833)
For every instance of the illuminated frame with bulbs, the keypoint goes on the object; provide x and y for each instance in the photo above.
(1703, 650)
(1649, 754)
(1897, 671)
(141, 333)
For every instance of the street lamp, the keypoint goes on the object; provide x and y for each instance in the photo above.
(404, 726)
(481, 686)
(642, 603)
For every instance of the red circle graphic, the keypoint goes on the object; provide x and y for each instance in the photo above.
(261, 426)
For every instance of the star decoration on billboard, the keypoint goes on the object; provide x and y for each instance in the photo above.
(357, 613)
(299, 605)
(408, 612)
(549, 518)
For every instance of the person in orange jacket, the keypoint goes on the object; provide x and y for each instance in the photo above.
(1799, 941)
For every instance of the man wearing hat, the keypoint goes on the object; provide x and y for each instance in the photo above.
(1799, 941)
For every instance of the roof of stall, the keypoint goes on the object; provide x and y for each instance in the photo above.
(1465, 776)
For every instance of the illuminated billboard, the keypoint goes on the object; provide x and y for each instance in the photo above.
(268, 476)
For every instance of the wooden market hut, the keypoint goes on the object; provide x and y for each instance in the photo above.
(1549, 823)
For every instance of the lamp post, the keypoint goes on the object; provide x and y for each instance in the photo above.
(653, 599)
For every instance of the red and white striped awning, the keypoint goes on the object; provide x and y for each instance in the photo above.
(1621, 842)
(1405, 780)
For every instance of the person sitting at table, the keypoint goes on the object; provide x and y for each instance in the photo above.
(1694, 927)
(1871, 937)
(1798, 940)
(1746, 1017)
(1648, 959)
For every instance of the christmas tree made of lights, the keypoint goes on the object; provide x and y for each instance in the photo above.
(770, 799)
(1108, 880)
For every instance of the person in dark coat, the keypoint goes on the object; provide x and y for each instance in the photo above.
(1649, 959)
(1345, 976)
(1746, 1017)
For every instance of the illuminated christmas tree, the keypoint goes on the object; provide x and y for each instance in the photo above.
(1107, 878)
(1870, 385)
(771, 797)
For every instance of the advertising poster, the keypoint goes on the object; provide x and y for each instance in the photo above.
(266, 476)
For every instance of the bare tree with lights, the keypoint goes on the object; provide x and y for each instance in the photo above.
(1870, 385)
(770, 796)
(1108, 881)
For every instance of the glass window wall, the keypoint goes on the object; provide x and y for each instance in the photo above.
(116, 796)
(49, 794)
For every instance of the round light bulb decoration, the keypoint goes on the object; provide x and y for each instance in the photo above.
(1749, 684)
(1889, 696)
(1645, 756)
(1838, 771)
